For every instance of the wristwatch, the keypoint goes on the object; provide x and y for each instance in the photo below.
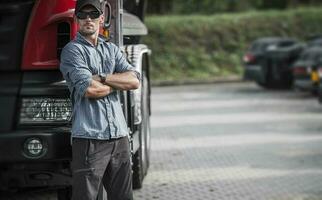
(102, 77)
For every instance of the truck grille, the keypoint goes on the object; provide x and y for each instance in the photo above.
(14, 16)
(63, 36)
(45, 111)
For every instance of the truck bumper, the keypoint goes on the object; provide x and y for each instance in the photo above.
(20, 170)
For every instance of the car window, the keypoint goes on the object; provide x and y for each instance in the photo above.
(315, 43)
(255, 47)
(305, 56)
(285, 43)
(258, 47)
(311, 56)
(318, 56)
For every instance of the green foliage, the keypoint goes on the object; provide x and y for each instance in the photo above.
(220, 6)
(204, 47)
(279, 4)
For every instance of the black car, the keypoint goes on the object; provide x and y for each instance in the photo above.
(269, 61)
(305, 69)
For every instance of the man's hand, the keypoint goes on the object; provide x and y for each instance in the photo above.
(97, 90)
(96, 78)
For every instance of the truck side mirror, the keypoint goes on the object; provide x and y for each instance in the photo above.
(108, 15)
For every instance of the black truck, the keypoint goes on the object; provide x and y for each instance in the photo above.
(35, 117)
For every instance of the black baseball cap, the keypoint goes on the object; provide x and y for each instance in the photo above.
(81, 3)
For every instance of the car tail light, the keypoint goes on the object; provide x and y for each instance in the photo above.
(47, 31)
(299, 71)
(249, 58)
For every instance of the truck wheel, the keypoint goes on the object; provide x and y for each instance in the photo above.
(141, 157)
(148, 144)
(138, 174)
(64, 194)
(146, 126)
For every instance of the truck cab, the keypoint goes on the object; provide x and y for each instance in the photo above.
(35, 117)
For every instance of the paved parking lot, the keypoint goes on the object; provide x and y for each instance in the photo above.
(234, 141)
(230, 142)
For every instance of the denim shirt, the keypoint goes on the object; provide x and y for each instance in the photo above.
(103, 118)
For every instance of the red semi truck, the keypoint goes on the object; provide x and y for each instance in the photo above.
(35, 117)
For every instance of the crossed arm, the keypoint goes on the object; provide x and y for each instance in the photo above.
(121, 81)
(76, 71)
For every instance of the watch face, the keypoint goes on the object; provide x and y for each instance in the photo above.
(103, 77)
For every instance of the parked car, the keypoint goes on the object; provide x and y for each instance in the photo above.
(269, 61)
(305, 69)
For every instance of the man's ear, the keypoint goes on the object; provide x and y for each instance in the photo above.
(102, 18)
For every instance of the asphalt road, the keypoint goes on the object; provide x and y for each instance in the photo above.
(230, 142)
(234, 141)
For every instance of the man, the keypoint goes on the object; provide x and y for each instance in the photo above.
(94, 70)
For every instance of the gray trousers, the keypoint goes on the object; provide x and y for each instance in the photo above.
(97, 162)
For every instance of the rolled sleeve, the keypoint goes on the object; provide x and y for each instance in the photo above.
(75, 70)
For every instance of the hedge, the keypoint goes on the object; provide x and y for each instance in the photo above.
(203, 47)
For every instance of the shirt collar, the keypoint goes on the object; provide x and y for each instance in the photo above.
(81, 38)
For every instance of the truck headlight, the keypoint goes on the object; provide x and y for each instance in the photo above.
(45, 110)
(33, 147)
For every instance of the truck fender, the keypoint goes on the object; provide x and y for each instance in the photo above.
(135, 55)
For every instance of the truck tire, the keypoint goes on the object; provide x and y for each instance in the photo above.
(141, 157)
(138, 174)
(146, 125)
(148, 144)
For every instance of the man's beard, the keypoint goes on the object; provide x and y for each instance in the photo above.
(87, 32)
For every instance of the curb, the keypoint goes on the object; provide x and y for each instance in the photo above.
(218, 80)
